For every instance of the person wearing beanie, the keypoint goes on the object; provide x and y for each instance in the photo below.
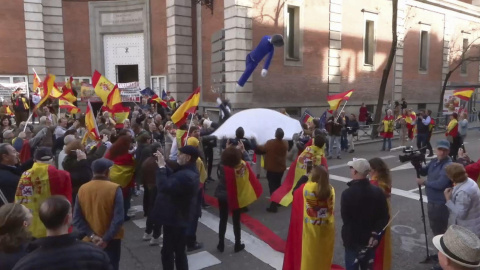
(275, 152)
(40, 182)
(98, 213)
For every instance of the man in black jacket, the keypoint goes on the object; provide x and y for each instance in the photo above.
(61, 250)
(364, 213)
(334, 127)
(9, 171)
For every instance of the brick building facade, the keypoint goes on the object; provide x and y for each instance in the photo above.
(330, 46)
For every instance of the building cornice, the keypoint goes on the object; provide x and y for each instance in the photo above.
(452, 5)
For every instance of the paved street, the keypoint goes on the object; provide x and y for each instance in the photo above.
(407, 229)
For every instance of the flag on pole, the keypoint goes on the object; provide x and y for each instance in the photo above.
(91, 125)
(189, 106)
(464, 94)
(103, 87)
(147, 92)
(159, 100)
(307, 117)
(164, 94)
(335, 100)
(323, 120)
(48, 85)
(67, 91)
(36, 81)
(243, 188)
(65, 104)
(120, 115)
(55, 92)
(114, 100)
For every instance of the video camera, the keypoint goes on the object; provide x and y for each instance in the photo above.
(414, 156)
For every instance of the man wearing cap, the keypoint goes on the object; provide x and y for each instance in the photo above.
(175, 205)
(364, 213)
(40, 182)
(435, 184)
(99, 211)
(458, 249)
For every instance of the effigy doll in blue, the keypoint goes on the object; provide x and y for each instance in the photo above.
(266, 46)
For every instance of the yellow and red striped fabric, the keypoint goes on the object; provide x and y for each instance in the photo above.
(160, 101)
(91, 125)
(67, 91)
(48, 85)
(243, 187)
(36, 82)
(187, 107)
(464, 94)
(383, 252)
(103, 87)
(335, 100)
(64, 104)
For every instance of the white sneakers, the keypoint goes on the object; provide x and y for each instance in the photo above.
(146, 236)
(155, 242)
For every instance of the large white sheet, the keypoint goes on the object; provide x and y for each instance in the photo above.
(259, 124)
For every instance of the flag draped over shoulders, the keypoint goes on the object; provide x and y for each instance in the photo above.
(283, 195)
(122, 170)
(311, 231)
(383, 252)
(243, 188)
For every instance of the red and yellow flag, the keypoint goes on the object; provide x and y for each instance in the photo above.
(102, 86)
(8, 111)
(91, 125)
(464, 94)
(181, 137)
(160, 101)
(189, 106)
(335, 100)
(298, 168)
(65, 104)
(48, 85)
(243, 188)
(36, 81)
(68, 91)
(55, 92)
(311, 231)
(122, 170)
(120, 115)
(114, 100)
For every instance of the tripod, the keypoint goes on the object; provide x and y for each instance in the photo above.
(427, 259)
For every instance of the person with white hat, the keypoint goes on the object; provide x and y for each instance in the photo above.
(458, 249)
(364, 212)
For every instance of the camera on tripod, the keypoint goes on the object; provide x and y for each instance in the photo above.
(414, 156)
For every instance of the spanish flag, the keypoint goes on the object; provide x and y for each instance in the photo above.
(48, 85)
(311, 235)
(102, 86)
(91, 125)
(160, 101)
(464, 94)
(120, 115)
(68, 91)
(298, 168)
(335, 100)
(383, 252)
(188, 107)
(36, 82)
(307, 117)
(65, 104)
(181, 137)
(114, 100)
(55, 92)
(8, 111)
(122, 170)
(243, 188)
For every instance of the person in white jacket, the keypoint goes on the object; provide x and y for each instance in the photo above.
(463, 200)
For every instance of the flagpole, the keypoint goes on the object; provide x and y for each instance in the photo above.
(26, 123)
(341, 110)
(189, 126)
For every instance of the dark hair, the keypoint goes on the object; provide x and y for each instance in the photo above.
(382, 170)
(455, 115)
(103, 120)
(81, 120)
(319, 141)
(124, 132)
(231, 157)
(53, 211)
(317, 131)
(70, 132)
(316, 122)
(192, 129)
(429, 112)
(120, 147)
(304, 126)
(12, 232)
(239, 133)
(143, 138)
(8, 118)
(279, 133)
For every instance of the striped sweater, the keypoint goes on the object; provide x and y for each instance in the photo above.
(464, 206)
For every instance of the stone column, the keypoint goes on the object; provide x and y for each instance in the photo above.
(33, 11)
(179, 46)
(335, 46)
(398, 67)
(53, 29)
(238, 43)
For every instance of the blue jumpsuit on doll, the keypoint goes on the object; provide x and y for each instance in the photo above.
(254, 57)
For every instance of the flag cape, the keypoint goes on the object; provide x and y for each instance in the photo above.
(335, 100)
(464, 94)
(8, 111)
(181, 137)
(64, 104)
(48, 85)
(383, 252)
(91, 125)
(311, 231)
(102, 86)
(36, 82)
(122, 170)
(243, 188)
(307, 117)
(187, 107)
(36, 185)
(283, 195)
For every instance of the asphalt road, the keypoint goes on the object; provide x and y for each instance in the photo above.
(407, 229)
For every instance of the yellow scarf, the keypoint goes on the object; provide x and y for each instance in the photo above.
(452, 124)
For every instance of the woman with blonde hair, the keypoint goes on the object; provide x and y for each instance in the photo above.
(14, 234)
(380, 177)
(312, 224)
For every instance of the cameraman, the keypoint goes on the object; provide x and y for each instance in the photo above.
(435, 184)
(423, 132)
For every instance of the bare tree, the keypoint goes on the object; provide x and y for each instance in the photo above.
(386, 70)
(459, 58)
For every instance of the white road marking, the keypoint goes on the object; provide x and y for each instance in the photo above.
(253, 245)
(406, 166)
(395, 191)
(141, 223)
(201, 260)
(345, 165)
(415, 189)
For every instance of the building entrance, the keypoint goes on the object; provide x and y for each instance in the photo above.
(127, 73)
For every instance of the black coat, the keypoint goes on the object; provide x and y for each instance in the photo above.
(64, 252)
(176, 200)
(80, 171)
(364, 210)
(9, 177)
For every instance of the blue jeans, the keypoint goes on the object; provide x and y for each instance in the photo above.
(365, 264)
(389, 140)
(113, 251)
(334, 139)
(344, 140)
(422, 141)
